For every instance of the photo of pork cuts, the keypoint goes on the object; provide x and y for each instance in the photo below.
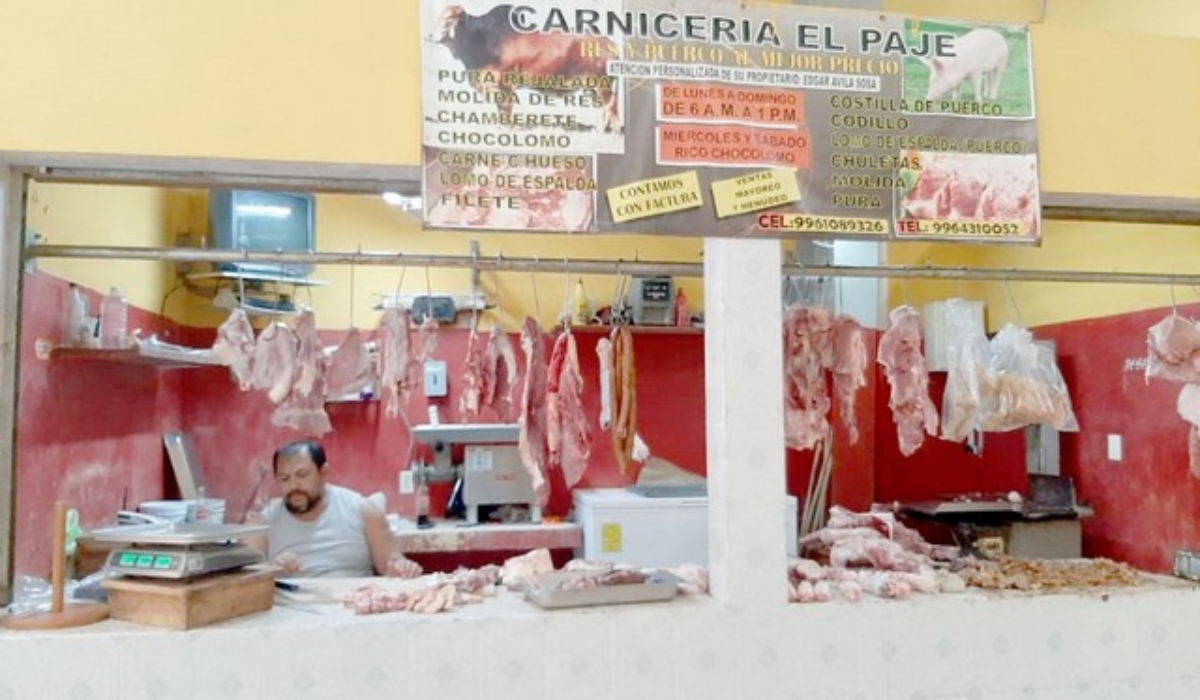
(492, 52)
(560, 197)
(1000, 189)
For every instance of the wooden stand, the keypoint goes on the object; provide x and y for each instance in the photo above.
(183, 605)
(59, 616)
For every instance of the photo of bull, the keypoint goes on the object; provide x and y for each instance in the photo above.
(488, 45)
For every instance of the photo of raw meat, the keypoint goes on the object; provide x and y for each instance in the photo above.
(531, 198)
(973, 187)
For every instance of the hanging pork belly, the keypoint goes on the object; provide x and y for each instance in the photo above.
(531, 441)
(473, 379)
(348, 367)
(500, 374)
(304, 407)
(234, 346)
(807, 352)
(908, 376)
(275, 361)
(849, 368)
(572, 443)
(394, 357)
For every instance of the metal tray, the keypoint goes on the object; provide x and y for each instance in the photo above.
(543, 591)
(176, 533)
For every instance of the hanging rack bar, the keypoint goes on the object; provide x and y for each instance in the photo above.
(598, 267)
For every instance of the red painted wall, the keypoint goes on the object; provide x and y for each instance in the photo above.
(1147, 505)
(91, 433)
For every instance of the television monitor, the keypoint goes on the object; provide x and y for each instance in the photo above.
(263, 221)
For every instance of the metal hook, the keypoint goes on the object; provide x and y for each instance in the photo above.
(1012, 300)
(1174, 307)
(537, 305)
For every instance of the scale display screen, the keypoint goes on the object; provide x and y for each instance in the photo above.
(181, 563)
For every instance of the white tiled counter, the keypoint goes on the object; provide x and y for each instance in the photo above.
(1138, 643)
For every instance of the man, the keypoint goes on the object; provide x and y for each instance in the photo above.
(321, 529)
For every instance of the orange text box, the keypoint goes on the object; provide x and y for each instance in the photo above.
(700, 144)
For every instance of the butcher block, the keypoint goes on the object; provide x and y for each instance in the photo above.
(191, 603)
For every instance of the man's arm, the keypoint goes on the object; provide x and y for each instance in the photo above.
(259, 540)
(386, 558)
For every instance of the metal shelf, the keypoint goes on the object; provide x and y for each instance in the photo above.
(150, 355)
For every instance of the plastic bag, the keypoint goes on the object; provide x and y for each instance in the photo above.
(35, 594)
(966, 367)
(1173, 350)
(1024, 386)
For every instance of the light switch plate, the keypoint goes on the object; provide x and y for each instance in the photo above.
(1114, 448)
(435, 378)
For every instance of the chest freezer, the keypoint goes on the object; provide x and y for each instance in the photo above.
(628, 528)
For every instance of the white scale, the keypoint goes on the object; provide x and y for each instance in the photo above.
(178, 550)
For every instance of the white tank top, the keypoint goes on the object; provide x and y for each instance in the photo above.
(332, 545)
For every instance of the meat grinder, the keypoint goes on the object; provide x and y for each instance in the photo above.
(491, 469)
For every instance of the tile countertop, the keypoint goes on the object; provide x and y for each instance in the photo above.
(457, 536)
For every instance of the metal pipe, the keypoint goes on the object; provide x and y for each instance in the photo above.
(601, 267)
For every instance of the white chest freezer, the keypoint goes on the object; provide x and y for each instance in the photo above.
(628, 528)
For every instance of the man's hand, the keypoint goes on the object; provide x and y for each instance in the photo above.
(288, 561)
(400, 566)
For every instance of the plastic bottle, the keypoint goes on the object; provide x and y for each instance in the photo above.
(580, 308)
(113, 318)
(681, 310)
(74, 325)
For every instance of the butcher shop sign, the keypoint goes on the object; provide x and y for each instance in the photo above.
(726, 119)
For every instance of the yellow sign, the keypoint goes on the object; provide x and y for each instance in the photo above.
(662, 195)
(761, 190)
(610, 537)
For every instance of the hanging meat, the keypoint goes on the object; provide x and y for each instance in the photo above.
(348, 369)
(908, 376)
(234, 346)
(1173, 346)
(575, 437)
(604, 351)
(624, 398)
(304, 408)
(1188, 406)
(553, 408)
(500, 374)
(275, 361)
(395, 350)
(531, 441)
(850, 362)
(807, 352)
(473, 378)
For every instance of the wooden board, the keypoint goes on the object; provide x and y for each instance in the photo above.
(184, 605)
(73, 614)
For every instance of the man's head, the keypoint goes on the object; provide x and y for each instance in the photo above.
(300, 471)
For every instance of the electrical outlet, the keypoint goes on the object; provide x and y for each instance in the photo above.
(435, 378)
(1114, 448)
(406, 482)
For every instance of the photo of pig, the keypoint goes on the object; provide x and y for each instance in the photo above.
(982, 56)
(988, 75)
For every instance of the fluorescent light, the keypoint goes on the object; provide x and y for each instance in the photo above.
(403, 202)
(275, 212)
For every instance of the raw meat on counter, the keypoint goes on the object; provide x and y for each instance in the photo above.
(444, 593)
(904, 365)
(234, 346)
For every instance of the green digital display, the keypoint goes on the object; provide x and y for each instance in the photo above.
(145, 560)
(162, 562)
(127, 559)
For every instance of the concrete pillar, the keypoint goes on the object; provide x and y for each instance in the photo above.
(743, 370)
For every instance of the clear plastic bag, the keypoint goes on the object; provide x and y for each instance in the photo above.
(1024, 386)
(967, 354)
(35, 594)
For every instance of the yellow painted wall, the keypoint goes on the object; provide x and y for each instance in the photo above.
(289, 80)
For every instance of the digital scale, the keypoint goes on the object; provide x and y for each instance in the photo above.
(652, 300)
(179, 550)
